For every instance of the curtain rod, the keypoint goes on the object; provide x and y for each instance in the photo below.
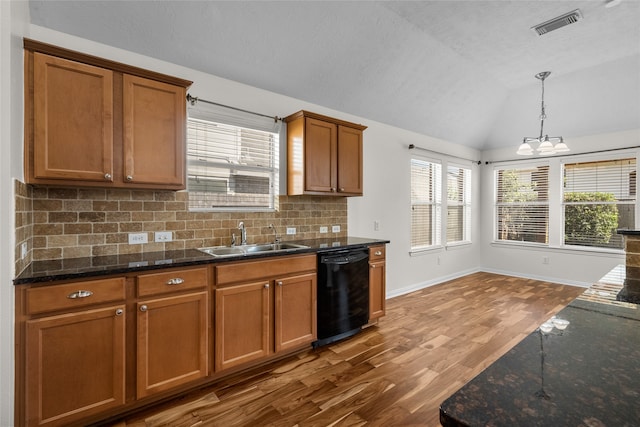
(412, 147)
(519, 159)
(193, 100)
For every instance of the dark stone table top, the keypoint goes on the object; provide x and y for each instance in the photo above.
(74, 268)
(587, 375)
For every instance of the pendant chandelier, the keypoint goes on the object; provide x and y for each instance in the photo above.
(547, 145)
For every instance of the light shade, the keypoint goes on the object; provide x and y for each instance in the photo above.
(525, 149)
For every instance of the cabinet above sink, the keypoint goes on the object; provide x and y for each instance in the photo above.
(324, 155)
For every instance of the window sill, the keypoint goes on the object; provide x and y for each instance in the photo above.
(561, 249)
(458, 245)
(425, 251)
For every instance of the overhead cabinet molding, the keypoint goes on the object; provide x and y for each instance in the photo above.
(324, 155)
(98, 123)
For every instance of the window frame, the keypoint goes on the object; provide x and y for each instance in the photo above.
(633, 202)
(497, 204)
(241, 121)
(466, 205)
(436, 194)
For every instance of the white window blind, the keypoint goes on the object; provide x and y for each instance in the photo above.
(458, 204)
(598, 198)
(426, 201)
(232, 160)
(522, 204)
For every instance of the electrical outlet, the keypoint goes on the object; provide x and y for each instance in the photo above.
(291, 230)
(163, 236)
(23, 250)
(138, 238)
(376, 225)
(545, 260)
(324, 229)
(335, 229)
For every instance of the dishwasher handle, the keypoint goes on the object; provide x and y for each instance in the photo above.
(345, 258)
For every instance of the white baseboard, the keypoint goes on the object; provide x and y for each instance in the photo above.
(426, 284)
(437, 281)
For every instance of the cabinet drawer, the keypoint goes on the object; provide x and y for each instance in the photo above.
(172, 281)
(254, 270)
(74, 295)
(377, 253)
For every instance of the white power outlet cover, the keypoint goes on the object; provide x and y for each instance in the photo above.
(335, 229)
(23, 250)
(291, 230)
(138, 238)
(163, 236)
(324, 229)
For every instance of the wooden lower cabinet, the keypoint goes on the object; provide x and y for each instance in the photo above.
(75, 365)
(295, 311)
(266, 316)
(171, 342)
(242, 324)
(91, 349)
(377, 282)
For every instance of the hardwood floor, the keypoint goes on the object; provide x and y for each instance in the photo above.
(397, 373)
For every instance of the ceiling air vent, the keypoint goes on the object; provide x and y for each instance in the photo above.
(559, 22)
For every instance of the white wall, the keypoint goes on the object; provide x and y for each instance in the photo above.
(564, 266)
(13, 20)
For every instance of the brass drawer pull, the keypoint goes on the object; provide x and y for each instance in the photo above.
(79, 294)
(378, 253)
(175, 281)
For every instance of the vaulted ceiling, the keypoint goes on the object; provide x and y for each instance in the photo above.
(461, 71)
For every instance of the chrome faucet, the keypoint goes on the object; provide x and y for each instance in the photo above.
(276, 238)
(243, 233)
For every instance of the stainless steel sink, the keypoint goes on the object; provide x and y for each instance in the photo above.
(244, 250)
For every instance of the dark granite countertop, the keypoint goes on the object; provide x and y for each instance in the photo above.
(67, 269)
(628, 232)
(586, 375)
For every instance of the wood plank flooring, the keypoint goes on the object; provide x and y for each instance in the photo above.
(430, 343)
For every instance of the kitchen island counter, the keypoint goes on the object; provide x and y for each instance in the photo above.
(585, 375)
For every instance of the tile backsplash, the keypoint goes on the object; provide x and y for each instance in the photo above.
(82, 222)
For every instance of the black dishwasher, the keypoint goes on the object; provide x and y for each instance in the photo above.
(343, 294)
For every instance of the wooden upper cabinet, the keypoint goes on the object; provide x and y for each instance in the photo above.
(154, 132)
(72, 120)
(324, 155)
(91, 122)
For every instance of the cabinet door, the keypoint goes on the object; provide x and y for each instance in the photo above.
(74, 365)
(242, 324)
(320, 154)
(154, 132)
(172, 342)
(377, 289)
(73, 120)
(349, 161)
(295, 311)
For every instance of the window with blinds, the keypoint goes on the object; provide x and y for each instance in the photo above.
(598, 198)
(231, 167)
(426, 201)
(458, 204)
(522, 204)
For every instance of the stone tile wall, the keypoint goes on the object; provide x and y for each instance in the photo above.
(72, 222)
